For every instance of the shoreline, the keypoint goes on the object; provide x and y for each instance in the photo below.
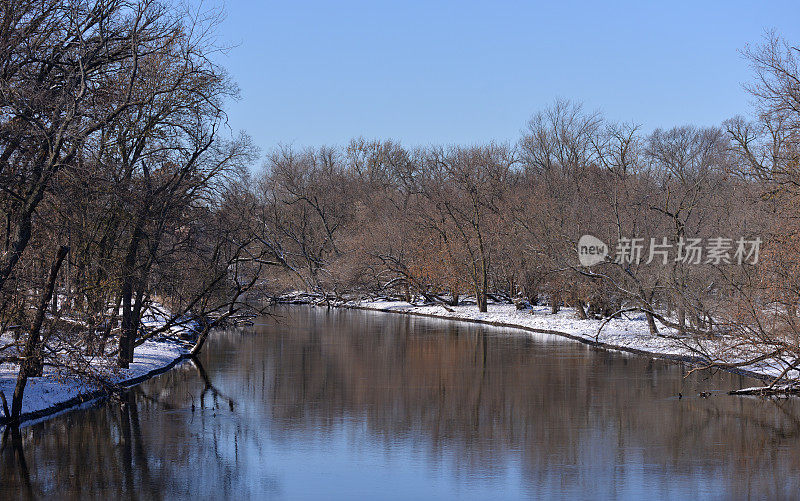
(47, 397)
(638, 342)
(85, 400)
(59, 390)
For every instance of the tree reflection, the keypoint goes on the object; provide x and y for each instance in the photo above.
(575, 420)
(15, 464)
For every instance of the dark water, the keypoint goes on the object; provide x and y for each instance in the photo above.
(352, 405)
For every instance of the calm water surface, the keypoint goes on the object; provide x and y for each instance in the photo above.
(333, 404)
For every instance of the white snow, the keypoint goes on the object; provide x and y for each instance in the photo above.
(629, 333)
(58, 385)
(54, 387)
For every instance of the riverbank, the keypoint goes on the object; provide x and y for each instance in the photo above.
(59, 389)
(629, 333)
(55, 392)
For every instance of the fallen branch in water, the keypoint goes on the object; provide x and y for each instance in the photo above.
(768, 391)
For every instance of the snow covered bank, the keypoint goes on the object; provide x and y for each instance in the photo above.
(628, 333)
(60, 389)
(55, 391)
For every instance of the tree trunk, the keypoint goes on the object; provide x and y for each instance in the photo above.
(31, 365)
(24, 228)
(201, 339)
(791, 314)
(555, 303)
(483, 298)
(581, 310)
(651, 323)
(129, 323)
(483, 305)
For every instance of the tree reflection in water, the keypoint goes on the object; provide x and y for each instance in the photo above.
(327, 401)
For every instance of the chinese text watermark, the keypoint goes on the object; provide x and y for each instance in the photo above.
(713, 251)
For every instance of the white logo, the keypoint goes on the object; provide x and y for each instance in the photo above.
(591, 250)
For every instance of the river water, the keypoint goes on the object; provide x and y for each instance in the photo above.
(337, 404)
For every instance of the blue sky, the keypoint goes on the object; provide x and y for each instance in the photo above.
(314, 73)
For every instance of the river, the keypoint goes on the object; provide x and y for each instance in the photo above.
(313, 403)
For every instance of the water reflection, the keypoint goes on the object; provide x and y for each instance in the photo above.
(356, 404)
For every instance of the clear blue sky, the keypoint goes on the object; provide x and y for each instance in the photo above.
(314, 72)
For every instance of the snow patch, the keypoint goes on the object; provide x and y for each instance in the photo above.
(628, 333)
